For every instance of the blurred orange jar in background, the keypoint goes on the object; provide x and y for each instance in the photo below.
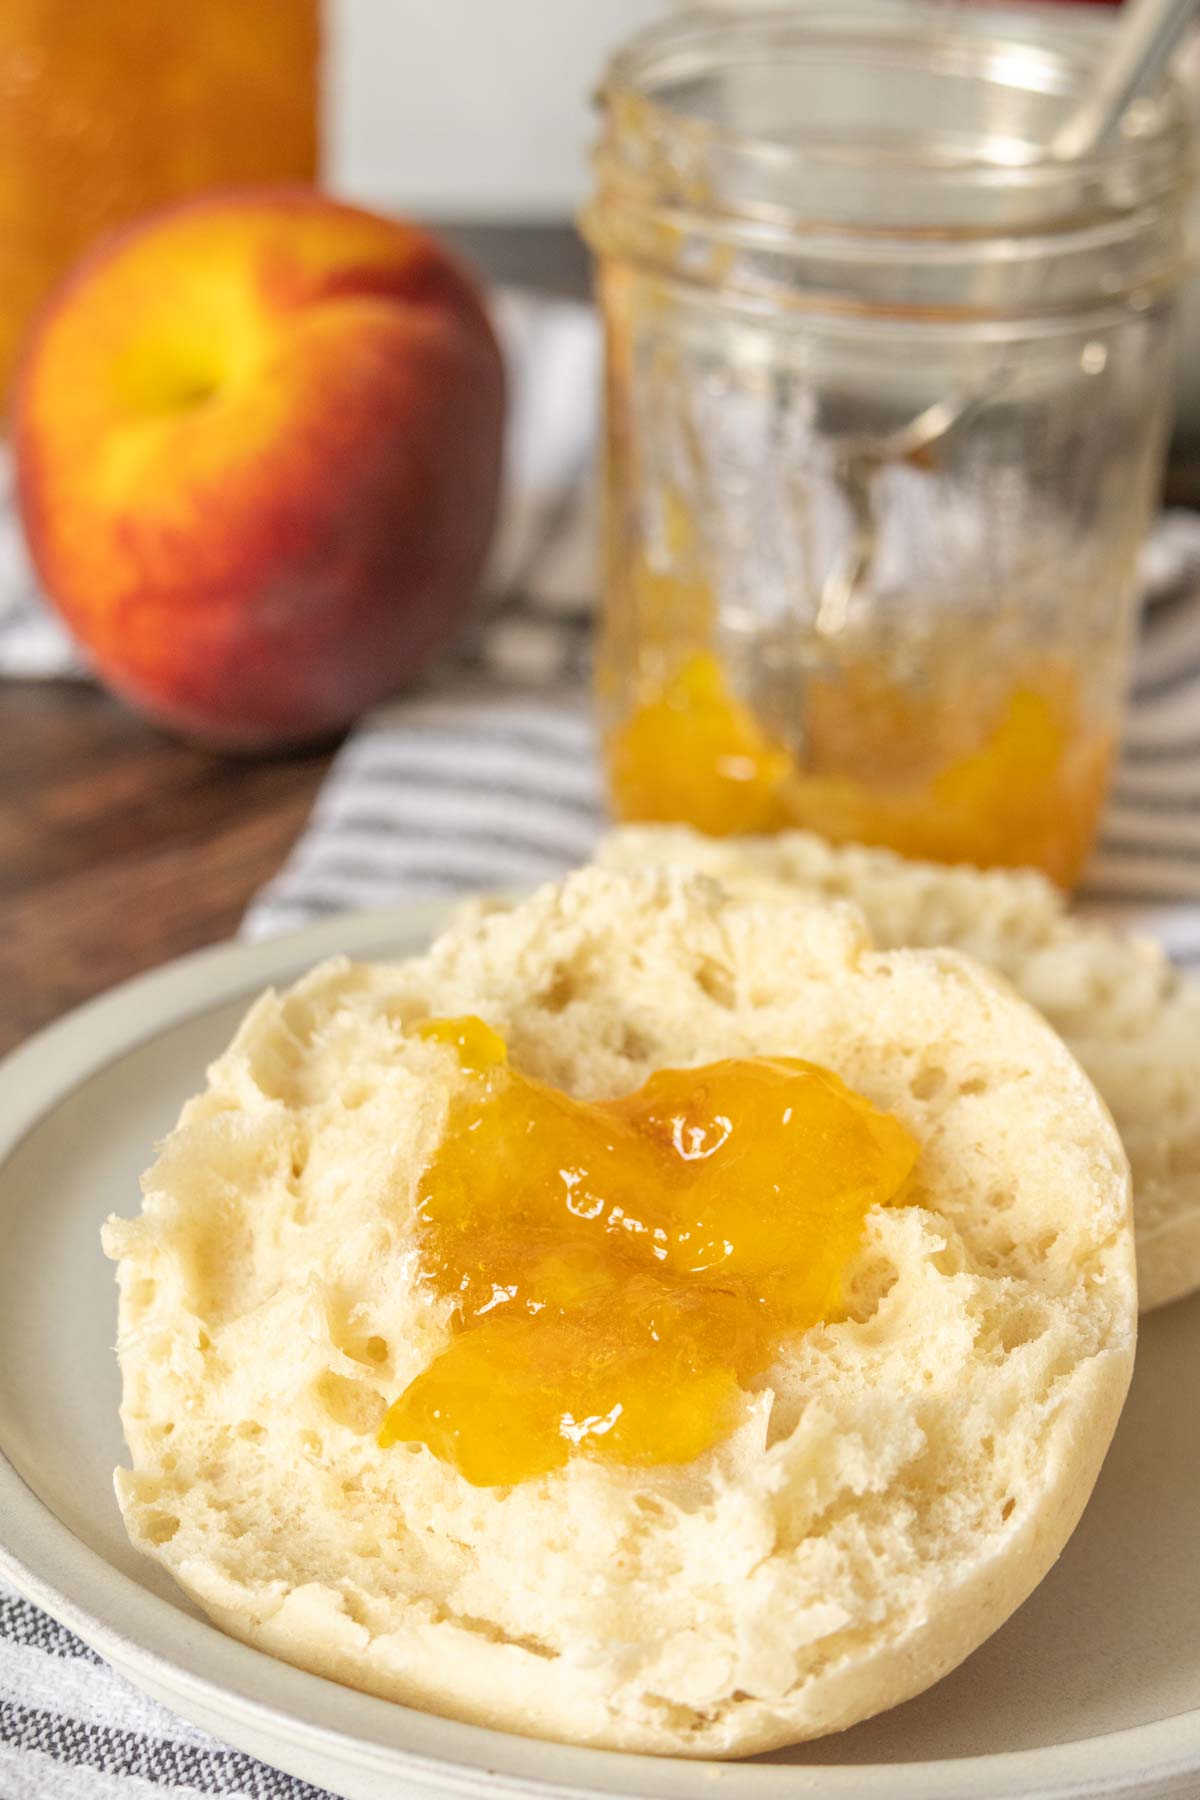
(109, 108)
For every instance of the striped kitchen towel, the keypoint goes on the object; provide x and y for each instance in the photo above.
(71, 1728)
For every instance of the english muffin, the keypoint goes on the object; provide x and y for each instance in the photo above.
(889, 1488)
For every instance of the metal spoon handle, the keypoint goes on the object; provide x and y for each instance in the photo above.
(1147, 32)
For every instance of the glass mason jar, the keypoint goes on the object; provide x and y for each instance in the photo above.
(886, 399)
(108, 110)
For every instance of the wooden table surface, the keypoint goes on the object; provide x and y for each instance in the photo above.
(119, 847)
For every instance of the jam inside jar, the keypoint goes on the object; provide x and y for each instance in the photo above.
(885, 400)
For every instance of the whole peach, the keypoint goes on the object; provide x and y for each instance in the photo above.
(258, 442)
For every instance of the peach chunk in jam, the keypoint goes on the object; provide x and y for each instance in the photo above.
(622, 1269)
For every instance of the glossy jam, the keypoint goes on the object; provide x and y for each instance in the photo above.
(1024, 785)
(622, 1269)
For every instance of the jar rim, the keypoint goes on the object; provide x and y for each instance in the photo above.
(873, 198)
(1050, 45)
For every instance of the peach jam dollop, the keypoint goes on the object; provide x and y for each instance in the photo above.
(622, 1269)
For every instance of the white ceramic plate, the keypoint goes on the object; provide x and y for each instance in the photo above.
(1092, 1689)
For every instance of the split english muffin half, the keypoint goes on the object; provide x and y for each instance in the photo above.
(1130, 1017)
(892, 1486)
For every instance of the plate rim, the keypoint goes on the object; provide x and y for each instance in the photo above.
(46, 1562)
